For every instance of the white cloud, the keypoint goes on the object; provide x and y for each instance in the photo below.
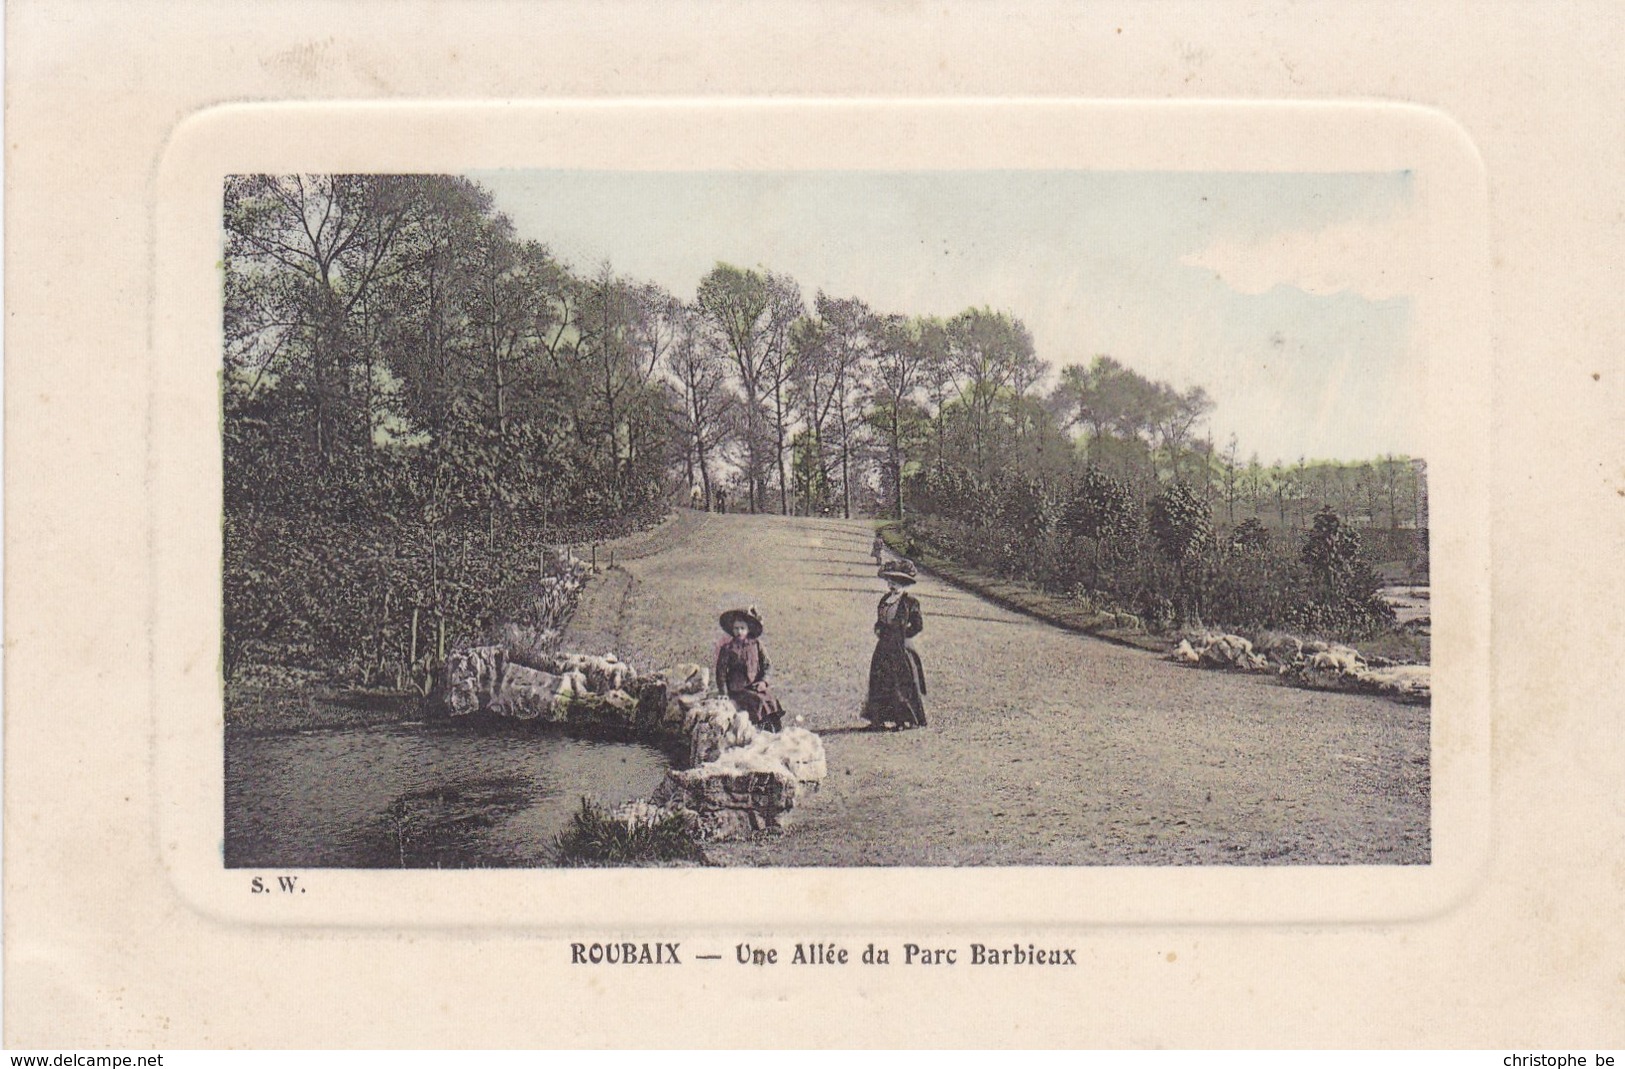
(1378, 261)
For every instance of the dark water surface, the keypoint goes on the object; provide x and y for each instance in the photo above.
(416, 795)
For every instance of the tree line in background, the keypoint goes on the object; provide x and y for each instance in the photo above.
(416, 400)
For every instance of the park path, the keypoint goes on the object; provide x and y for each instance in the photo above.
(1044, 746)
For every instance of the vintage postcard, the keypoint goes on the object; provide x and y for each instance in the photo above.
(527, 472)
(531, 563)
(845, 512)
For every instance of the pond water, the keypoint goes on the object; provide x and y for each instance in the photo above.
(417, 795)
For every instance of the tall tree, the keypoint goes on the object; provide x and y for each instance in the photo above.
(624, 330)
(425, 307)
(987, 349)
(938, 379)
(1175, 417)
(1232, 478)
(785, 307)
(851, 332)
(813, 390)
(752, 311)
(709, 409)
(307, 251)
(902, 358)
(502, 315)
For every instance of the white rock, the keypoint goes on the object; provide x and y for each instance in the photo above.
(733, 796)
(526, 694)
(473, 678)
(572, 684)
(798, 749)
(679, 710)
(714, 727)
(1409, 681)
(685, 679)
(621, 700)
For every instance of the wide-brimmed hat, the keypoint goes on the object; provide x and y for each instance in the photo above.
(898, 571)
(752, 618)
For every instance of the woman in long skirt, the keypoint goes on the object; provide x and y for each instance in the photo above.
(742, 669)
(896, 676)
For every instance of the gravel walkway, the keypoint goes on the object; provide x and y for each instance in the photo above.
(1044, 747)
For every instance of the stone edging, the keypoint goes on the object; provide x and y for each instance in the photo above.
(1307, 663)
(737, 780)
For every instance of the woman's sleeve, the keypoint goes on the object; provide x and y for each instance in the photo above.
(762, 663)
(721, 670)
(916, 620)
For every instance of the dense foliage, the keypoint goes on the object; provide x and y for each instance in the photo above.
(1162, 559)
(417, 402)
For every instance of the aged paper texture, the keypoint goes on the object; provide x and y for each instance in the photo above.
(124, 926)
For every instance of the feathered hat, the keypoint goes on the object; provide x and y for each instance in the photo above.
(752, 618)
(898, 571)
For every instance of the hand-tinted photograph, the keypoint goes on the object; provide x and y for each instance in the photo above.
(824, 518)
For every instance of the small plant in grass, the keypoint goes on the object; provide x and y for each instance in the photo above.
(639, 835)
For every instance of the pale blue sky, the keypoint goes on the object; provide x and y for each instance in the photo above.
(1286, 296)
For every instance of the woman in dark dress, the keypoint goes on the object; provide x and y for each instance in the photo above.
(896, 677)
(742, 669)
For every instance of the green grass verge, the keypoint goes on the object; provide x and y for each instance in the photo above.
(1023, 597)
(1404, 647)
(1401, 647)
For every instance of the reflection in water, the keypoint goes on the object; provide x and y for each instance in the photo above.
(416, 795)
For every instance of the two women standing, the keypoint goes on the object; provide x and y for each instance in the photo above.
(896, 698)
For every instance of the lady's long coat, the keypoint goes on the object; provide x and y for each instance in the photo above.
(896, 676)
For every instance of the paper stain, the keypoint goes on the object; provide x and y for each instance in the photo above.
(309, 60)
(320, 60)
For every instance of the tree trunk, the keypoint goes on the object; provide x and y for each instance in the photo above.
(897, 459)
(846, 452)
(612, 434)
(778, 419)
(705, 478)
(752, 458)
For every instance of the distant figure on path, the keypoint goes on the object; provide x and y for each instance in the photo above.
(742, 669)
(722, 501)
(878, 550)
(695, 497)
(896, 676)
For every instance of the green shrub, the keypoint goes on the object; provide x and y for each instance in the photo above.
(1251, 536)
(1181, 522)
(1163, 562)
(1099, 506)
(1252, 588)
(1156, 612)
(597, 837)
(1341, 598)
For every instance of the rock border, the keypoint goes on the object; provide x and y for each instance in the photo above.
(738, 779)
(1307, 663)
